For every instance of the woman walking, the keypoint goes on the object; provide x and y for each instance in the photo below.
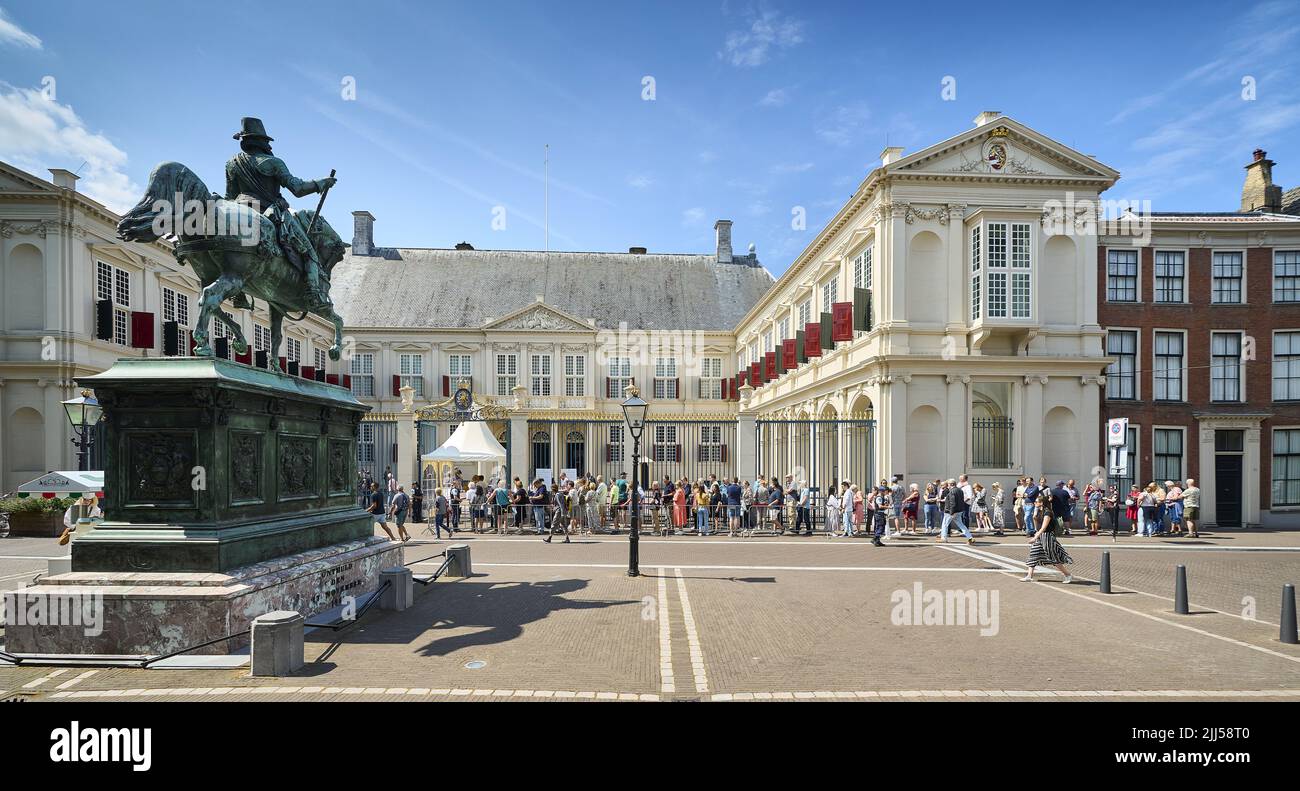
(1044, 549)
(832, 512)
(979, 509)
(999, 515)
(911, 504)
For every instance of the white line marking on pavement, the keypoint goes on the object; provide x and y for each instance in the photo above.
(649, 697)
(988, 557)
(1015, 693)
(692, 637)
(53, 674)
(739, 568)
(77, 680)
(31, 557)
(667, 684)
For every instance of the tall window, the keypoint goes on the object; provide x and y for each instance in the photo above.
(411, 372)
(666, 377)
(615, 452)
(114, 285)
(365, 440)
(1121, 375)
(1226, 271)
(830, 291)
(1169, 366)
(975, 257)
(261, 338)
(783, 329)
(996, 276)
(710, 443)
(176, 307)
(711, 377)
(862, 268)
(363, 374)
(1168, 458)
(1171, 276)
(1286, 466)
(767, 342)
(665, 446)
(1286, 366)
(575, 375)
(292, 350)
(1121, 275)
(805, 315)
(540, 372)
(319, 355)
(459, 367)
(620, 376)
(1286, 276)
(1225, 366)
(507, 373)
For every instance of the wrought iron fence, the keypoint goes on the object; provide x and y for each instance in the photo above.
(991, 442)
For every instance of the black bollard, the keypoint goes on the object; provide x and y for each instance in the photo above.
(1180, 590)
(1288, 632)
(1105, 572)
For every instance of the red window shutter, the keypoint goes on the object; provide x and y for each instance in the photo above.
(397, 385)
(726, 389)
(331, 379)
(678, 387)
(724, 453)
(446, 386)
(677, 453)
(755, 375)
(141, 330)
(789, 355)
(346, 382)
(812, 339)
(842, 321)
(769, 366)
(246, 358)
(284, 364)
(307, 371)
(609, 452)
(609, 390)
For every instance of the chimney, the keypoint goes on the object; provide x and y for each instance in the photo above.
(464, 246)
(363, 233)
(723, 228)
(636, 250)
(890, 155)
(986, 116)
(1259, 193)
(64, 178)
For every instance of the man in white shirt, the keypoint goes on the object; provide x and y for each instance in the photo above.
(968, 494)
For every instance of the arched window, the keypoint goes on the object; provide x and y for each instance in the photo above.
(575, 451)
(541, 451)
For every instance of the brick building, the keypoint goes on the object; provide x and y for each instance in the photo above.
(1202, 318)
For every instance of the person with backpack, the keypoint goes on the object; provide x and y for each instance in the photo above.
(440, 511)
(401, 504)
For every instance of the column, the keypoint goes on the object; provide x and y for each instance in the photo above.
(957, 273)
(1250, 486)
(1030, 427)
(1205, 480)
(745, 453)
(956, 425)
(1090, 451)
(895, 394)
(407, 463)
(519, 446)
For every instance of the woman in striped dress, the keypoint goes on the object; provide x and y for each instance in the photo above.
(1044, 549)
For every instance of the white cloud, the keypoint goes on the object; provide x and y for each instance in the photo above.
(707, 156)
(693, 216)
(777, 97)
(11, 33)
(37, 134)
(752, 46)
(640, 181)
(792, 167)
(844, 125)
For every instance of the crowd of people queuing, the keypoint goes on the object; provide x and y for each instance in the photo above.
(590, 504)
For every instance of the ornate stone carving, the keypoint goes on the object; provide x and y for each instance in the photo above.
(41, 228)
(940, 214)
(340, 452)
(159, 465)
(539, 318)
(297, 466)
(1036, 379)
(245, 467)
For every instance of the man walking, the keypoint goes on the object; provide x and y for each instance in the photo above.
(733, 494)
(377, 511)
(1191, 506)
(952, 508)
(401, 503)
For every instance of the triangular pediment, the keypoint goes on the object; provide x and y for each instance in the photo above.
(1002, 147)
(14, 180)
(539, 317)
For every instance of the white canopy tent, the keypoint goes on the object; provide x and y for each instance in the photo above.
(471, 443)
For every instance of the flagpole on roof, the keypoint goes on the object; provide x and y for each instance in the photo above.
(546, 197)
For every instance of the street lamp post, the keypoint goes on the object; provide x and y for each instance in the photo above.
(83, 413)
(634, 409)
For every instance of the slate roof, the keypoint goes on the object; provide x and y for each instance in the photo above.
(447, 288)
(1291, 201)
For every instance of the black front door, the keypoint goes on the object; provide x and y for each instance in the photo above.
(1227, 490)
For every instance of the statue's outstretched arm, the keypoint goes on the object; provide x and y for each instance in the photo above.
(297, 186)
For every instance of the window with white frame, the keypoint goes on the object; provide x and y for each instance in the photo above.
(711, 378)
(665, 444)
(665, 377)
(710, 443)
(805, 314)
(783, 329)
(293, 350)
(410, 372)
(1001, 283)
(754, 354)
(830, 293)
(1168, 376)
(460, 367)
(176, 307)
(114, 284)
(363, 375)
(620, 376)
(615, 443)
(1286, 275)
(862, 268)
(575, 375)
(319, 355)
(976, 249)
(1121, 375)
(1286, 466)
(1171, 276)
(767, 342)
(1121, 275)
(1226, 272)
(1167, 455)
(1286, 366)
(365, 441)
(507, 373)
(1225, 366)
(261, 338)
(539, 370)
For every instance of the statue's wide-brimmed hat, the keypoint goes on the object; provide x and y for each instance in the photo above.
(252, 127)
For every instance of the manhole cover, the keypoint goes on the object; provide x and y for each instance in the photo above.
(477, 664)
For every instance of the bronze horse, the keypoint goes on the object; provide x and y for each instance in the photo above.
(233, 250)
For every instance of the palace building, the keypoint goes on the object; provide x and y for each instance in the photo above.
(971, 308)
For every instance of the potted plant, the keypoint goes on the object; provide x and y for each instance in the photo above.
(35, 516)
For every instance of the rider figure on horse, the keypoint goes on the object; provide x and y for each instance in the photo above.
(254, 177)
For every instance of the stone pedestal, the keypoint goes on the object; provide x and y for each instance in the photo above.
(277, 643)
(458, 564)
(400, 593)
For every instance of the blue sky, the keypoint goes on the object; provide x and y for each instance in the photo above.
(758, 107)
